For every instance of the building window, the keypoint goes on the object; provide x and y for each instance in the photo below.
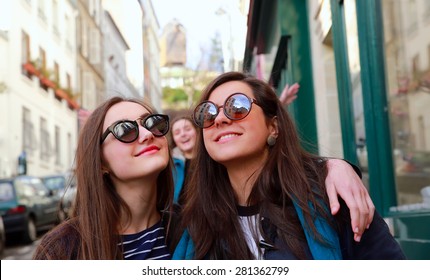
(44, 70)
(29, 138)
(84, 41)
(87, 91)
(55, 25)
(68, 33)
(95, 46)
(44, 140)
(57, 74)
(412, 16)
(94, 10)
(426, 10)
(407, 72)
(428, 55)
(41, 10)
(57, 145)
(42, 59)
(69, 148)
(25, 52)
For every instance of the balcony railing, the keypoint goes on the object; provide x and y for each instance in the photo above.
(47, 82)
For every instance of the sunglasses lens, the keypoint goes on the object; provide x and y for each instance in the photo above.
(157, 124)
(205, 114)
(237, 106)
(126, 131)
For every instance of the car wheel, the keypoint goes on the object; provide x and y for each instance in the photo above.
(30, 234)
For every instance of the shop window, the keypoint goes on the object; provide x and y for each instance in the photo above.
(408, 77)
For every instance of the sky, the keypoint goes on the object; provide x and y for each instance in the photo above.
(201, 22)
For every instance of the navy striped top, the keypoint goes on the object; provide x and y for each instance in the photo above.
(149, 244)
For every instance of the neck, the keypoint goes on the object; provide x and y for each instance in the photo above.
(242, 178)
(188, 154)
(141, 199)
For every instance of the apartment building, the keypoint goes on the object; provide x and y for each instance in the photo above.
(38, 108)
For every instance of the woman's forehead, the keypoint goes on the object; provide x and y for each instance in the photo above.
(124, 110)
(220, 93)
(181, 123)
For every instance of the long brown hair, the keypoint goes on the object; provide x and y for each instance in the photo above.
(289, 174)
(92, 231)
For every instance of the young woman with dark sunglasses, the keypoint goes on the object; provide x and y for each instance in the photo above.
(124, 185)
(258, 194)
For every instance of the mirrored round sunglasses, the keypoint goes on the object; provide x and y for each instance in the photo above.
(236, 107)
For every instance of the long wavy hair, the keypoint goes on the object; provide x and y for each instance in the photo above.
(92, 232)
(289, 174)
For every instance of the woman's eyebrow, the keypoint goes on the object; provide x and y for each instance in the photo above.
(144, 115)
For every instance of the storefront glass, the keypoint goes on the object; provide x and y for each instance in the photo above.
(355, 77)
(407, 58)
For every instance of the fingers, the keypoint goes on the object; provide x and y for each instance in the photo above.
(343, 181)
(361, 213)
(355, 221)
(294, 89)
(332, 197)
(284, 95)
(289, 93)
(371, 211)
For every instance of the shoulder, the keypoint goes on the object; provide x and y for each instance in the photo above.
(177, 154)
(173, 226)
(60, 243)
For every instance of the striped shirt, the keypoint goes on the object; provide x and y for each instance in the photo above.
(149, 244)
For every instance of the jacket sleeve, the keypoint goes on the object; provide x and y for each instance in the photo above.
(377, 243)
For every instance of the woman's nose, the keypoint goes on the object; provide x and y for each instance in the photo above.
(144, 134)
(221, 117)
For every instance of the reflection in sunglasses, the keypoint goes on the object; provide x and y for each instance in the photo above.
(236, 107)
(127, 131)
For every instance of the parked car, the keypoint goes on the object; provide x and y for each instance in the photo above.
(2, 237)
(56, 183)
(64, 186)
(26, 206)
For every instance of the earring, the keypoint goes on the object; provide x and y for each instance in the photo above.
(271, 140)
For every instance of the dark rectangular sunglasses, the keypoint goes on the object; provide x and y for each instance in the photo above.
(127, 131)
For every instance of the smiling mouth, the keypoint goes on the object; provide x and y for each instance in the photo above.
(150, 150)
(227, 136)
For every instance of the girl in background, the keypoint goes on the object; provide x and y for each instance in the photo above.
(184, 132)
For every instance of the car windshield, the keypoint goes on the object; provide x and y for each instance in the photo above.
(54, 183)
(6, 191)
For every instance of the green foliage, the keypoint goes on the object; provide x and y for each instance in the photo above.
(174, 95)
(196, 95)
(177, 98)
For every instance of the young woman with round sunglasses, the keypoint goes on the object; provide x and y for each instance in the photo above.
(124, 179)
(258, 194)
(341, 179)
